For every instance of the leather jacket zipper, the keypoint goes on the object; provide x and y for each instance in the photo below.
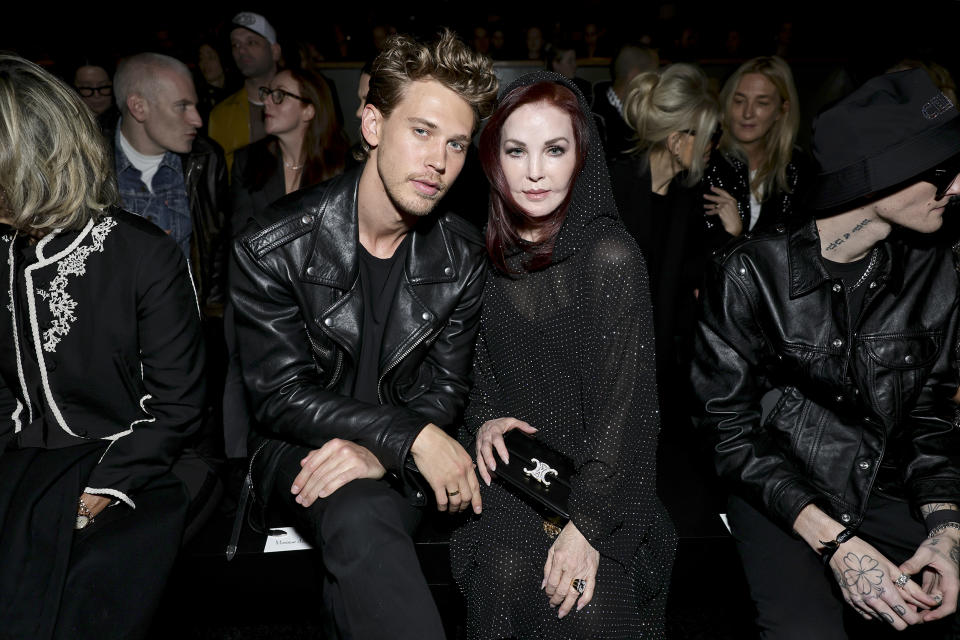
(400, 358)
(336, 368)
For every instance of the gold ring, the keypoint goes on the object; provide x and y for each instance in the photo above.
(453, 493)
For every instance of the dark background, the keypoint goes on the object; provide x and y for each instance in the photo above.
(867, 37)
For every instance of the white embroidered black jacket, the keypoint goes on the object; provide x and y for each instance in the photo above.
(100, 339)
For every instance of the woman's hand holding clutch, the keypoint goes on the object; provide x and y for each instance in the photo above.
(490, 437)
(570, 571)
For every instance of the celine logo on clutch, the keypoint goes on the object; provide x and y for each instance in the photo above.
(540, 471)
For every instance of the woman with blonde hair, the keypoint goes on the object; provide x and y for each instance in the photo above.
(101, 377)
(753, 181)
(677, 122)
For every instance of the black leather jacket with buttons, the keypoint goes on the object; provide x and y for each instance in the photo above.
(863, 404)
(295, 287)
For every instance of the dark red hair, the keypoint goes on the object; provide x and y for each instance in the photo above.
(506, 216)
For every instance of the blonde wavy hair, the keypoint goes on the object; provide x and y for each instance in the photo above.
(55, 169)
(677, 98)
(779, 141)
(448, 61)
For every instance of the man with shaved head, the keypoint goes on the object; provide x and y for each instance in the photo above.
(608, 98)
(166, 171)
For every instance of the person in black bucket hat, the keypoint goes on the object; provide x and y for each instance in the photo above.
(825, 362)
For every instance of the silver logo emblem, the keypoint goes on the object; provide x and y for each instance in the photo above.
(936, 107)
(540, 471)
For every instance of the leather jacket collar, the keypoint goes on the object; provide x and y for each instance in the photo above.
(333, 260)
(807, 271)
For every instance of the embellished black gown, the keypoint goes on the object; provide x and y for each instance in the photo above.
(570, 350)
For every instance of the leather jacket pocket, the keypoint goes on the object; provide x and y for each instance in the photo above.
(897, 368)
(415, 387)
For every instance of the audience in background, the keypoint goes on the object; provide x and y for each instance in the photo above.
(213, 82)
(168, 173)
(481, 40)
(755, 179)
(616, 134)
(498, 45)
(175, 178)
(92, 81)
(676, 119)
(561, 57)
(534, 43)
(238, 120)
(304, 145)
(592, 40)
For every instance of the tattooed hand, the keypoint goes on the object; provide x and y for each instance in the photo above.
(938, 561)
(866, 580)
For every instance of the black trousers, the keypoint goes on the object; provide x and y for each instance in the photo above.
(797, 598)
(374, 587)
(104, 581)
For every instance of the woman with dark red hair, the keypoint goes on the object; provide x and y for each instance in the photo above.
(564, 354)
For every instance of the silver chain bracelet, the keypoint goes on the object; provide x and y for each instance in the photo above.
(84, 515)
(940, 528)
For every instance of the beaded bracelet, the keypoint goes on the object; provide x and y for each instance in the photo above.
(830, 546)
(940, 528)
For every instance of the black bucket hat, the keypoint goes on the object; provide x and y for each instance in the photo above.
(892, 129)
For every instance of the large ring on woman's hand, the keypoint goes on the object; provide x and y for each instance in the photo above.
(579, 584)
(453, 493)
(902, 581)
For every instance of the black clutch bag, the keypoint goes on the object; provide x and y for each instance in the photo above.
(540, 475)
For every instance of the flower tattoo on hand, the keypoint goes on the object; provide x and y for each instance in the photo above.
(862, 572)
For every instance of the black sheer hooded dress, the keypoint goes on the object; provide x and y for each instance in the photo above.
(570, 350)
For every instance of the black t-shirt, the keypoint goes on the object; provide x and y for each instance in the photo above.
(379, 279)
(855, 278)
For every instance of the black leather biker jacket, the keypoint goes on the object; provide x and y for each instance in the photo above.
(864, 403)
(295, 288)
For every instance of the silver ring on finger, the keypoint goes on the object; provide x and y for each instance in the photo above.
(579, 584)
(902, 581)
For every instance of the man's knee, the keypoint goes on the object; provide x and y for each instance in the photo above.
(361, 515)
